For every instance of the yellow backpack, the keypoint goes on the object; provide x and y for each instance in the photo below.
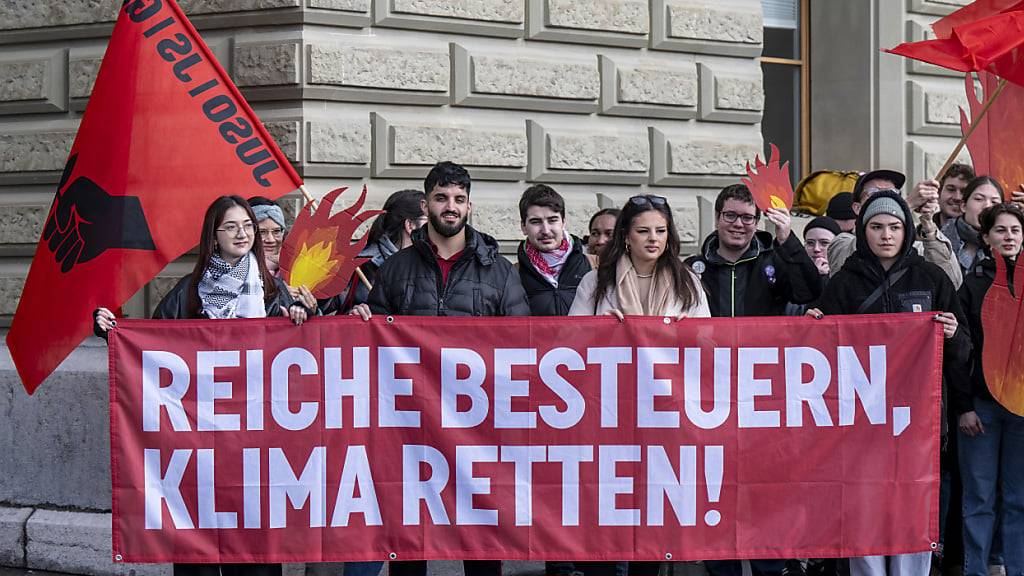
(817, 188)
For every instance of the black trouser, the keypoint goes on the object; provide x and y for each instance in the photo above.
(469, 568)
(227, 570)
(735, 567)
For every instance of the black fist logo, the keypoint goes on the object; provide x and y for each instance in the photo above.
(86, 221)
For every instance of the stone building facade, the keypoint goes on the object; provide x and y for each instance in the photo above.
(603, 99)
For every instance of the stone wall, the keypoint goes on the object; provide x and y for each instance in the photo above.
(602, 98)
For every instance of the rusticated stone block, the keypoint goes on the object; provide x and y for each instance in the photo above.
(485, 10)
(339, 142)
(286, 134)
(629, 16)
(10, 293)
(662, 85)
(708, 157)
(220, 6)
(23, 80)
(82, 75)
(266, 64)
(713, 21)
(346, 5)
(23, 224)
(549, 78)
(34, 151)
(944, 107)
(426, 145)
(398, 69)
(598, 152)
(739, 93)
(30, 14)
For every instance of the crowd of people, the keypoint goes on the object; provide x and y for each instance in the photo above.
(877, 250)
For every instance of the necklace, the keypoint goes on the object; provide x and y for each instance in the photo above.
(651, 275)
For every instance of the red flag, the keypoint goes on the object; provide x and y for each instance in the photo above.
(991, 43)
(165, 132)
(973, 12)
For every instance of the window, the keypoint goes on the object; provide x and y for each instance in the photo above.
(784, 62)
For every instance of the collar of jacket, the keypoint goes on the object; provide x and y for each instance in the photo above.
(761, 242)
(479, 245)
(379, 251)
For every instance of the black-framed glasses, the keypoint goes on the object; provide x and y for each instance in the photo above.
(730, 217)
(651, 199)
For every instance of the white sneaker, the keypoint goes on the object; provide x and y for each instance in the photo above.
(996, 570)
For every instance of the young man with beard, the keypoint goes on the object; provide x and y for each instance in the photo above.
(930, 243)
(450, 270)
(551, 263)
(749, 273)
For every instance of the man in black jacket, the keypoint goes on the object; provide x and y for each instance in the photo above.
(746, 272)
(450, 270)
(551, 262)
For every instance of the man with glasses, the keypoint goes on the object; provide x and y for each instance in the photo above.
(750, 273)
(924, 199)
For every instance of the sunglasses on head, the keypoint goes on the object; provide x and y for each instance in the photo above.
(651, 199)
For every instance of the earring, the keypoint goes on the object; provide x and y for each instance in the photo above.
(627, 248)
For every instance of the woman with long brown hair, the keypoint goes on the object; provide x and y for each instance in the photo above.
(230, 280)
(641, 272)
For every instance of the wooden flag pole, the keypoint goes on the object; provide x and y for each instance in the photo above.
(974, 124)
(312, 203)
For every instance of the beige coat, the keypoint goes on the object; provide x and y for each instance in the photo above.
(583, 304)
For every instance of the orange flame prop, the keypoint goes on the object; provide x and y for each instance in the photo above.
(321, 252)
(996, 146)
(1003, 353)
(769, 183)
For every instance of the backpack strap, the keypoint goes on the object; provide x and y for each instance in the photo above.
(874, 296)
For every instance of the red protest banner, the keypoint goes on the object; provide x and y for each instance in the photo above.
(165, 133)
(524, 438)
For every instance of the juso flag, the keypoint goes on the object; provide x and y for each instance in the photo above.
(165, 132)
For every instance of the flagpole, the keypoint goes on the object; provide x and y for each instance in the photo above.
(312, 204)
(974, 124)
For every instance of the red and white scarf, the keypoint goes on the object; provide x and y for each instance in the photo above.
(549, 264)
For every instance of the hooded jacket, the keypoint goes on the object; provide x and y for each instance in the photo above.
(923, 287)
(972, 296)
(546, 299)
(481, 282)
(762, 281)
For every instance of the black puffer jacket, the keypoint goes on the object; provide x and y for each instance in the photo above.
(481, 283)
(174, 305)
(923, 287)
(762, 281)
(546, 299)
(972, 296)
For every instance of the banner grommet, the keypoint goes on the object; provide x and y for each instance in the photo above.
(390, 319)
(668, 555)
(118, 557)
(392, 556)
(666, 320)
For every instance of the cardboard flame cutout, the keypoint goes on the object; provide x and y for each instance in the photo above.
(769, 183)
(321, 252)
(996, 146)
(1003, 353)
